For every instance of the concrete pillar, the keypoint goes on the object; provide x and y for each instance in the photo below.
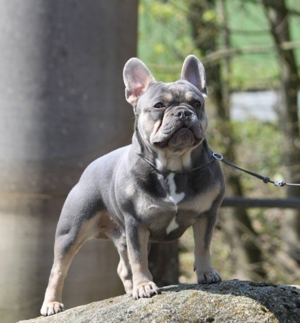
(61, 106)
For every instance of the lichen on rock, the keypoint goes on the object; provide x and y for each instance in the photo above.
(227, 301)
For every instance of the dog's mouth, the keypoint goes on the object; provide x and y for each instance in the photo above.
(183, 137)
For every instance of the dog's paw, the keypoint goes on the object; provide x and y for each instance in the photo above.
(208, 277)
(145, 290)
(51, 308)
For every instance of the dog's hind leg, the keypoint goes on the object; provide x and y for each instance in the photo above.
(124, 268)
(117, 235)
(77, 224)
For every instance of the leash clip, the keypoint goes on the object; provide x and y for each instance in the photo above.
(280, 183)
(217, 156)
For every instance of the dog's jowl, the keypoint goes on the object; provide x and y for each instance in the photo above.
(149, 191)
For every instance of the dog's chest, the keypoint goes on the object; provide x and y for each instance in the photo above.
(181, 204)
(173, 195)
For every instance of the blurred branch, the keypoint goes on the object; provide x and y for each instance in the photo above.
(294, 12)
(260, 32)
(278, 6)
(243, 202)
(229, 52)
(223, 53)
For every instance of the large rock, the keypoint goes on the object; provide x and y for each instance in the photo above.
(228, 301)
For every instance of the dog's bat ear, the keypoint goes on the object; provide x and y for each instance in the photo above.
(137, 79)
(193, 71)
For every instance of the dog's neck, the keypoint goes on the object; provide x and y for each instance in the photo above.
(173, 161)
(167, 161)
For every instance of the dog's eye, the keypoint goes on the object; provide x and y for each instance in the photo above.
(158, 105)
(197, 104)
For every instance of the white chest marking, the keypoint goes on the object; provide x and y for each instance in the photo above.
(175, 198)
(173, 225)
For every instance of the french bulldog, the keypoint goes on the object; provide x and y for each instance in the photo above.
(150, 191)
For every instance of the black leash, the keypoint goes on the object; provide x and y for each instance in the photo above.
(219, 157)
(265, 179)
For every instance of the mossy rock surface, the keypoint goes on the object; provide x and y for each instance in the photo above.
(228, 301)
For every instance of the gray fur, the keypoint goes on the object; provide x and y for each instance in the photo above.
(147, 191)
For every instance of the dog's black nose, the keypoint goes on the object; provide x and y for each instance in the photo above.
(182, 114)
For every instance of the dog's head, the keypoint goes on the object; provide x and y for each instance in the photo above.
(170, 116)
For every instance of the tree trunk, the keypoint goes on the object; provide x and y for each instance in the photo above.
(278, 15)
(246, 254)
(164, 263)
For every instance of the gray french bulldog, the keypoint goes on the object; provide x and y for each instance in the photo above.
(150, 191)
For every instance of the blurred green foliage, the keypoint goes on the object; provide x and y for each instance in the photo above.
(165, 39)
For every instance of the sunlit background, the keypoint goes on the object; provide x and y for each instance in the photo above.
(62, 105)
(235, 42)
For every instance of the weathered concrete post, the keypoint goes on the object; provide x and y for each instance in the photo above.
(61, 106)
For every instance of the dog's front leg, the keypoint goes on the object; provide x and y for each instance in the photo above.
(137, 238)
(203, 230)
